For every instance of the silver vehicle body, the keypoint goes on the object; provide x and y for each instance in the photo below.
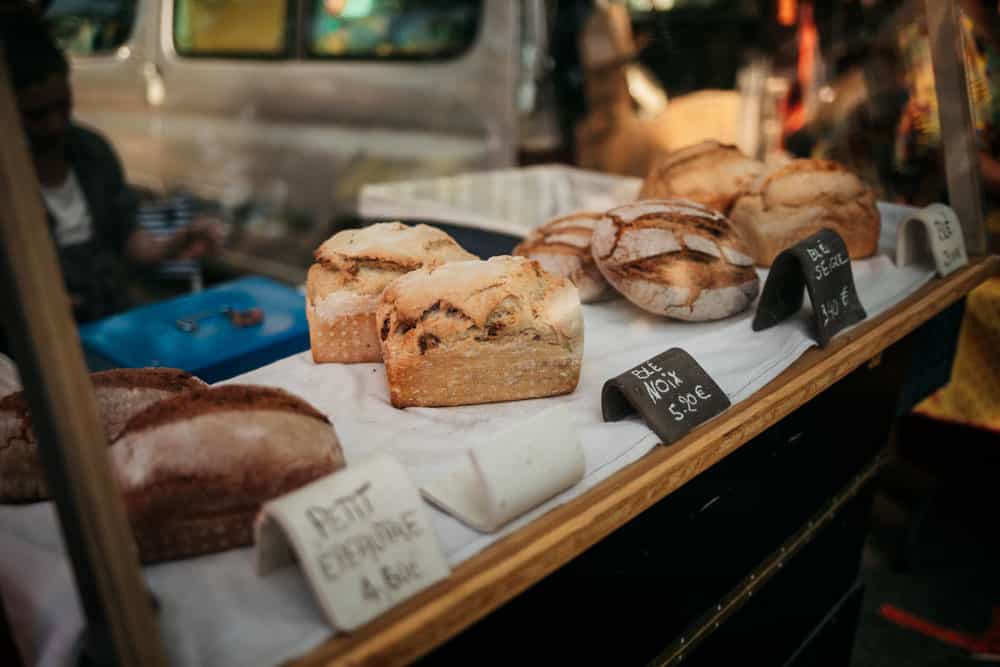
(299, 137)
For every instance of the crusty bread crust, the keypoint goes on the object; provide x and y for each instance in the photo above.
(22, 478)
(709, 173)
(186, 538)
(348, 339)
(794, 201)
(394, 244)
(225, 398)
(480, 332)
(352, 268)
(675, 258)
(172, 380)
(562, 247)
(510, 371)
(121, 393)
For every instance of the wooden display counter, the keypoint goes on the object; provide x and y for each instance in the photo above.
(488, 580)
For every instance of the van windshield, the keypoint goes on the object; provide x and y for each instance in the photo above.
(392, 29)
(90, 27)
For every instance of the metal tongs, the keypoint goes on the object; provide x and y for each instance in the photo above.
(238, 318)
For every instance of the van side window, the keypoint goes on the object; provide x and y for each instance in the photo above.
(91, 27)
(232, 28)
(391, 29)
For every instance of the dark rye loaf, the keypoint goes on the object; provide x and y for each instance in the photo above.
(121, 393)
(195, 469)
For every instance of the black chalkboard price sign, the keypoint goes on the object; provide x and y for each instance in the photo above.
(671, 392)
(822, 265)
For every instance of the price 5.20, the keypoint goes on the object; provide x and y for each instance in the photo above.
(688, 403)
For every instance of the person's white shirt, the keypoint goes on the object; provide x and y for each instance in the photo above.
(68, 206)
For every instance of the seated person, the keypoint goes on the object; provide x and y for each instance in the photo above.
(92, 212)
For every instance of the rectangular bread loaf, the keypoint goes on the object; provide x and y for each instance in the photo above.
(351, 269)
(480, 332)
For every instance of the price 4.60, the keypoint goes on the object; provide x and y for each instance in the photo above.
(391, 578)
(688, 403)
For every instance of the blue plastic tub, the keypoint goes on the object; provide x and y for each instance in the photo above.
(197, 332)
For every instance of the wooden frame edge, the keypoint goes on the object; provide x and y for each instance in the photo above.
(121, 628)
(961, 158)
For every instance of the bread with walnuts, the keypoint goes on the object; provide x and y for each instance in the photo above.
(480, 332)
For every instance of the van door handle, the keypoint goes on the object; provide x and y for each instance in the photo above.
(155, 90)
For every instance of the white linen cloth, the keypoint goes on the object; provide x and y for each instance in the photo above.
(216, 612)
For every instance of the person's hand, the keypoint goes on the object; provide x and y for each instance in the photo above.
(199, 239)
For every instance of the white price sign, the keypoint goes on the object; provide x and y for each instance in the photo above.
(362, 538)
(934, 231)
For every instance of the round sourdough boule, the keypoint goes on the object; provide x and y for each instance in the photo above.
(708, 173)
(351, 270)
(195, 469)
(793, 201)
(562, 247)
(121, 393)
(676, 258)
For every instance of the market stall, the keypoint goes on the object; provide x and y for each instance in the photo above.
(808, 407)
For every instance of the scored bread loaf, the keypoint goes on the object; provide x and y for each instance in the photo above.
(562, 247)
(121, 393)
(794, 201)
(351, 270)
(708, 173)
(676, 258)
(195, 469)
(480, 332)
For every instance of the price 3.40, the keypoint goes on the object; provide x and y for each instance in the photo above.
(688, 403)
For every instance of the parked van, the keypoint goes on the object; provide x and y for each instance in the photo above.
(280, 110)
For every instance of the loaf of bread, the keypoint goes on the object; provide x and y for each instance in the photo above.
(195, 469)
(794, 201)
(480, 332)
(121, 393)
(351, 270)
(562, 247)
(708, 173)
(675, 258)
